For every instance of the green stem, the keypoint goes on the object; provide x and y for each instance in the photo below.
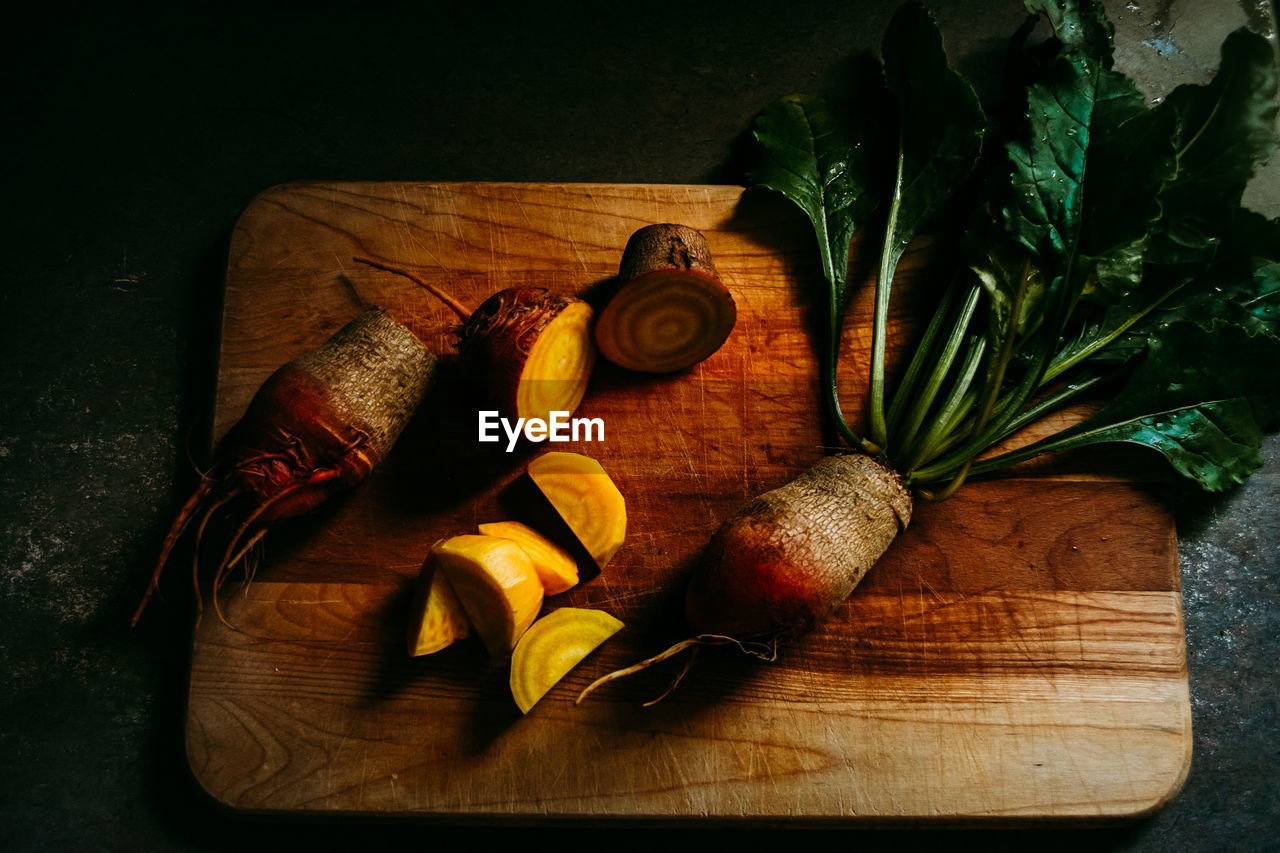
(1054, 401)
(994, 380)
(950, 464)
(1035, 377)
(906, 434)
(1067, 440)
(1009, 407)
(924, 350)
(831, 356)
(957, 428)
(837, 413)
(889, 254)
(1013, 457)
(950, 406)
(1067, 360)
(951, 488)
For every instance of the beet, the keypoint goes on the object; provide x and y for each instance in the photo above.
(531, 348)
(669, 309)
(319, 425)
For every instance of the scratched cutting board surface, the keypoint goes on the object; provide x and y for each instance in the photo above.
(1017, 654)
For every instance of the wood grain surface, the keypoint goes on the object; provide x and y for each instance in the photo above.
(1018, 654)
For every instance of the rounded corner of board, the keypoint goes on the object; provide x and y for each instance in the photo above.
(1165, 787)
(270, 194)
(197, 767)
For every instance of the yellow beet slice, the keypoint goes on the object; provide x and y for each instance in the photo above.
(496, 584)
(584, 496)
(553, 646)
(555, 373)
(556, 569)
(436, 619)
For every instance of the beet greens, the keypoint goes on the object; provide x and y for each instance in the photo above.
(1104, 249)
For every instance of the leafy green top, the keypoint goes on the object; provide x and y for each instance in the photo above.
(817, 160)
(1105, 247)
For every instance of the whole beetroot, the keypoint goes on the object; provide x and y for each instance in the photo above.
(317, 426)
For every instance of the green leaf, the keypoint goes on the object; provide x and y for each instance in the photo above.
(1246, 273)
(1202, 397)
(1224, 129)
(826, 167)
(1044, 213)
(1118, 274)
(823, 165)
(1130, 159)
(1081, 26)
(1265, 305)
(1188, 363)
(1242, 287)
(940, 124)
(1084, 117)
(1217, 444)
(1252, 302)
(1048, 166)
(1014, 289)
(1110, 328)
(1126, 158)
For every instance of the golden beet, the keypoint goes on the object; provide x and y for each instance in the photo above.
(584, 496)
(669, 309)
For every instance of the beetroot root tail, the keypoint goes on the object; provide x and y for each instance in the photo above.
(670, 652)
(225, 565)
(195, 557)
(456, 306)
(250, 565)
(228, 560)
(766, 650)
(188, 510)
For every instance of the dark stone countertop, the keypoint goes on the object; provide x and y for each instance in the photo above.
(137, 134)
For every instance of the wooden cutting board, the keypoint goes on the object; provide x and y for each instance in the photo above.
(1018, 653)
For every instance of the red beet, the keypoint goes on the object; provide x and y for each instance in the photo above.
(317, 426)
(531, 348)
